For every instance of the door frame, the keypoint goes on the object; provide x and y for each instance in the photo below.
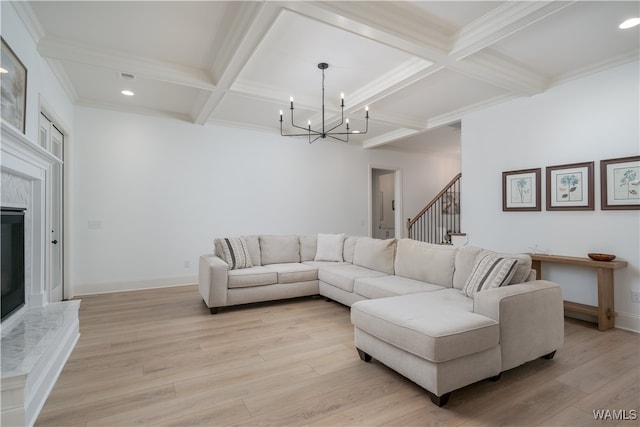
(399, 208)
(67, 290)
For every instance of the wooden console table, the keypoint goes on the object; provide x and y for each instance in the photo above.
(604, 311)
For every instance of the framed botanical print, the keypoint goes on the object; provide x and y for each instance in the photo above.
(620, 183)
(521, 190)
(570, 187)
(13, 76)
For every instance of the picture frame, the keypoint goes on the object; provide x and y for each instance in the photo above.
(570, 187)
(13, 100)
(521, 190)
(620, 183)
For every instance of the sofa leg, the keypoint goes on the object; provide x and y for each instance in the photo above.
(495, 377)
(364, 356)
(213, 310)
(327, 299)
(439, 401)
(549, 356)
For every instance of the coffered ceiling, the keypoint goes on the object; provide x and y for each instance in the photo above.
(418, 65)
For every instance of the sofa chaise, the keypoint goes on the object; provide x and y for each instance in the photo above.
(444, 317)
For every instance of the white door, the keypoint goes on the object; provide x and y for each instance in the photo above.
(57, 293)
(51, 139)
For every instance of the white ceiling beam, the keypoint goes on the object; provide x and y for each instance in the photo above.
(501, 22)
(257, 25)
(64, 50)
(510, 77)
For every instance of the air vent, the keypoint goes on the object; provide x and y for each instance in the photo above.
(127, 76)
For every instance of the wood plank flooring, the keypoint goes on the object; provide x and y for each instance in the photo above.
(158, 358)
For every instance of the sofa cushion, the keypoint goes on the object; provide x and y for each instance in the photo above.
(308, 247)
(330, 247)
(490, 271)
(349, 248)
(294, 272)
(254, 276)
(426, 262)
(467, 257)
(343, 276)
(279, 249)
(375, 254)
(234, 251)
(388, 286)
(254, 249)
(465, 260)
(425, 326)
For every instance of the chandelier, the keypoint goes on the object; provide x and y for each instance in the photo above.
(337, 132)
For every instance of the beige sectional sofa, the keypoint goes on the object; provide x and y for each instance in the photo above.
(442, 316)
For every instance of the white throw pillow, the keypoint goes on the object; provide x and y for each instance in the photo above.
(330, 247)
(490, 271)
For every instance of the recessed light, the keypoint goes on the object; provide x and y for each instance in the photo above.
(3, 71)
(127, 93)
(629, 23)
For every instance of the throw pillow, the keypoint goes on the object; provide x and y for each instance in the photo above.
(329, 247)
(490, 271)
(234, 251)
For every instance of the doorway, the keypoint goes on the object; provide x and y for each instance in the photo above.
(385, 207)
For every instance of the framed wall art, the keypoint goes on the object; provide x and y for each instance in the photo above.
(521, 190)
(570, 187)
(620, 183)
(13, 75)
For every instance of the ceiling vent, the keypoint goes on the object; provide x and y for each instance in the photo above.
(127, 76)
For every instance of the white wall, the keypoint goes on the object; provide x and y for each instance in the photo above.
(590, 119)
(161, 190)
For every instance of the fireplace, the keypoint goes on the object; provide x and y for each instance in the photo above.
(12, 253)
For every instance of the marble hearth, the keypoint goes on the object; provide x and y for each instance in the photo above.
(34, 351)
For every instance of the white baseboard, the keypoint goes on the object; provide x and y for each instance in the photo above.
(628, 322)
(106, 288)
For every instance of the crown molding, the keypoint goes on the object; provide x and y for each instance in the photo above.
(63, 78)
(144, 111)
(457, 115)
(623, 58)
(64, 50)
(29, 19)
(388, 137)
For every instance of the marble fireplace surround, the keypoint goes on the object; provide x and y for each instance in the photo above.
(37, 339)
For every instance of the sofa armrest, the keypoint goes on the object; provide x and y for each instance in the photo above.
(531, 317)
(213, 280)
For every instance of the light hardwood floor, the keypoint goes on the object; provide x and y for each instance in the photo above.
(158, 357)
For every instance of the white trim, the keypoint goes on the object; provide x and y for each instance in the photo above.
(139, 285)
(628, 322)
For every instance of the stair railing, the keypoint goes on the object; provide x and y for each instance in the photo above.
(440, 218)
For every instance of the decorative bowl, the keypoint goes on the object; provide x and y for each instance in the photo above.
(601, 257)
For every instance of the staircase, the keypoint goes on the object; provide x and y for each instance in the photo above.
(440, 219)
